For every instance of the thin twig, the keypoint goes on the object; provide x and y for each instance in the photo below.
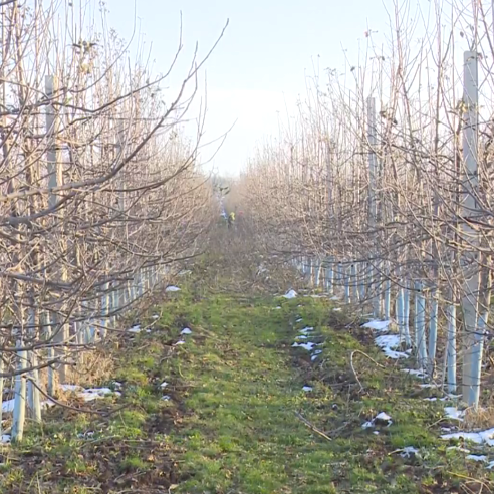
(353, 368)
(312, 427)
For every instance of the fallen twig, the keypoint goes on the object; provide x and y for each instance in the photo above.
(353, 368)
(312, 427)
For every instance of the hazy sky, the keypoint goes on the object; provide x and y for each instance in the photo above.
(259, 67)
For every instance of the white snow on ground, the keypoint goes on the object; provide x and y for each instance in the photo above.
(156, 316)
(301, 336)
(477, 457)
(476, 437)
(388, 343)
(96, 394)
(186, 331)
(308, 345)
(172, 288)
(336, 309)
(377, 325)
(135, 329)
(163, 385)
(307, 389)
(180, 342)
(454, 413)
(306, 329)
(166, 398)
(5, 438)
(298, 320)
(71, 387)
(87, 434)
(8, 406)
(381, 417)
(278, 307)
(490, 465)
(290, 294)
(420, 373)
(408, 452)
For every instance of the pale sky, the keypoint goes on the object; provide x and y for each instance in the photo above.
(259, 67)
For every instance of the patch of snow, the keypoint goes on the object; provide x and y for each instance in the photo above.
(376, 433)
(290, 294)
(70, 387)
(388, 343)
(156, 316)
(420, 373)
(278, 307)
(172, 288)
(85, 434)
(186, 331)
(476, 437)
(163, 385)
(334, 297)
(298, 320)
(408, 452)
(95, 394)
(307, 389)
(308, 346)
(454, 413)
(383, 416)
(5, 439)
(166, 398)
(477, 457)
(302, 336)
(490, 465)
(377, 325)
(336, 309)
(179, 342)
(316, 352)
(306, 329)
(8, 406)
(135, 329)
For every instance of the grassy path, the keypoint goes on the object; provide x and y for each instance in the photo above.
(243, 433)
(217, 412)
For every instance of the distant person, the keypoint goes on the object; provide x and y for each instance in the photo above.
(231, 219)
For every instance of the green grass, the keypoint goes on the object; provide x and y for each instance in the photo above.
(231, 425)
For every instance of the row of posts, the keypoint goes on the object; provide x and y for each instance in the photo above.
(374, 287)
(87, 326)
